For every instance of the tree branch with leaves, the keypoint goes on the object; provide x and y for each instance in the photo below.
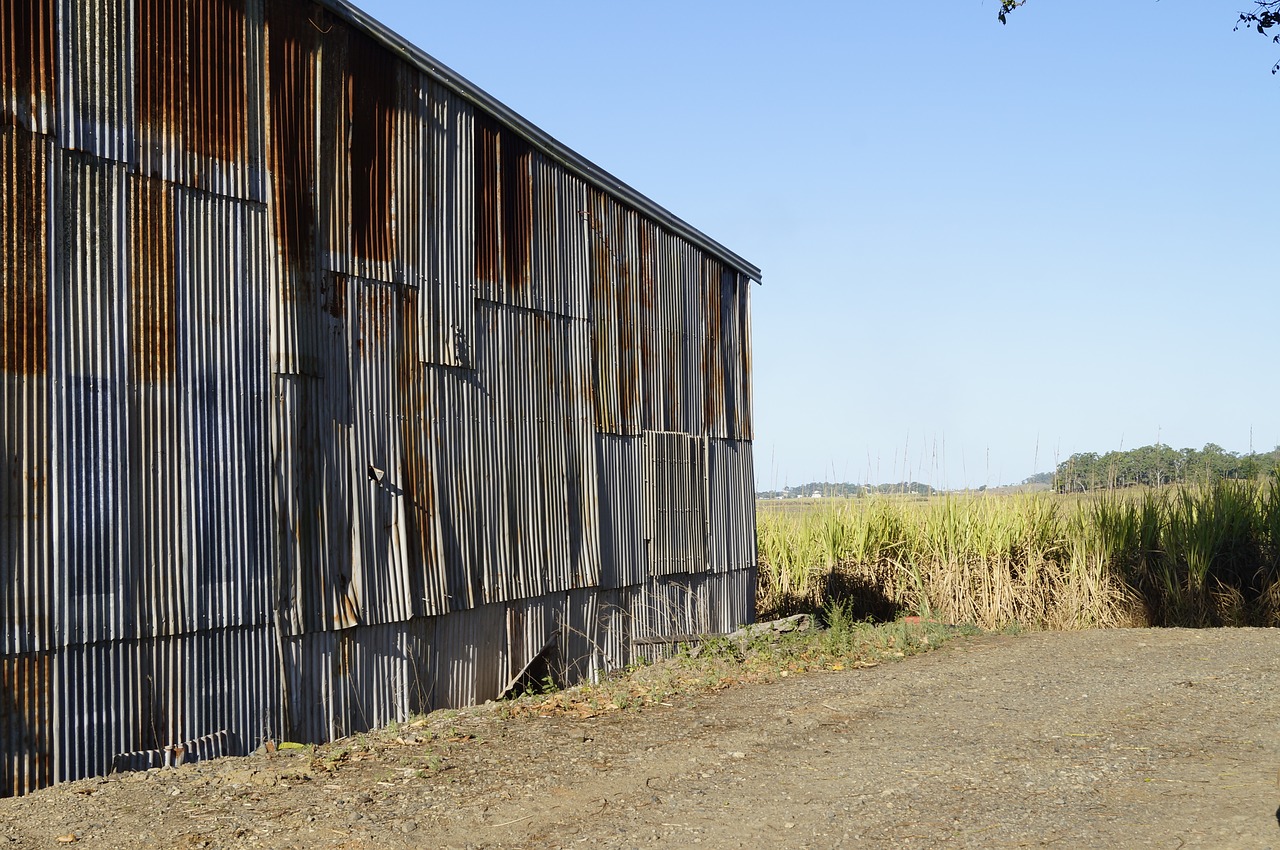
(1007, 6)
(1264, 17)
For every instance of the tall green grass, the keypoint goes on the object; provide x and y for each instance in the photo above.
(1187, 556)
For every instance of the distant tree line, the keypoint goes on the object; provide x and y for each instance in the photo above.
(1153, 466)
(845, 490)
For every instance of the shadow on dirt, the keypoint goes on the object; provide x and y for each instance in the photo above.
(863, 598)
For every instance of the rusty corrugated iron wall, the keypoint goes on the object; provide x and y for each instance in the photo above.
(331, 391)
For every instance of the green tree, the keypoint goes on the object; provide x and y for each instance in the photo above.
(1154, 466)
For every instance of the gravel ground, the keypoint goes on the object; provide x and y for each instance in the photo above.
(1106, 739)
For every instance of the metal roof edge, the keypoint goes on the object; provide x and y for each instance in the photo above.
(578, 164)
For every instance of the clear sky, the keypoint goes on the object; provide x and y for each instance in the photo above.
(984, 248)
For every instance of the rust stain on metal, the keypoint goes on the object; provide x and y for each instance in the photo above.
(217, 48)
(24, 310)
(26, 60)
(291, 100)
(336, 301)
(646, 270)
(162, 67)
(416, 432)
(350, 613)
(629, 383)
(517, 209)
(371, 100)
(343, 663)
(153, 308)
(504, 205)
(190, 80)
(712, 361)
(746, 431)
(488, 247)
(373, 313)
(601, 292)
(26, 751)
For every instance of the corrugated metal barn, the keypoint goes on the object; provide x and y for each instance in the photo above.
(331, 390)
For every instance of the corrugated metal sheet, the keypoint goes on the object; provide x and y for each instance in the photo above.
(668, 610)
(95, 52)
(731, 501)
(448, 317)
(443, 463)
(561, 277)
(435, 250)
(615, 315)
(347, 681)
(581, 637)
(28, 75)
(331, 391)
(536, 638)
(26, 557)
(196, 413)
(90, 319)
(622, 510)
(670, 329)
(470, 657)
(172, 755)
(539, 478)
(613, 649)
(675, 502)
(120, 697)
(26, 722)
(198, 74)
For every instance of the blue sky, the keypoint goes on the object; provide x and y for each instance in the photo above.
(984, 248)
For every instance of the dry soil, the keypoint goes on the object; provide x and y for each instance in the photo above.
(1106, 739)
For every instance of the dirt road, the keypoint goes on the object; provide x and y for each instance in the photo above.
(1108, 739)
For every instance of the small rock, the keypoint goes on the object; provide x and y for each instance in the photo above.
(240, 777)
(738, 755)
(302, 770)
